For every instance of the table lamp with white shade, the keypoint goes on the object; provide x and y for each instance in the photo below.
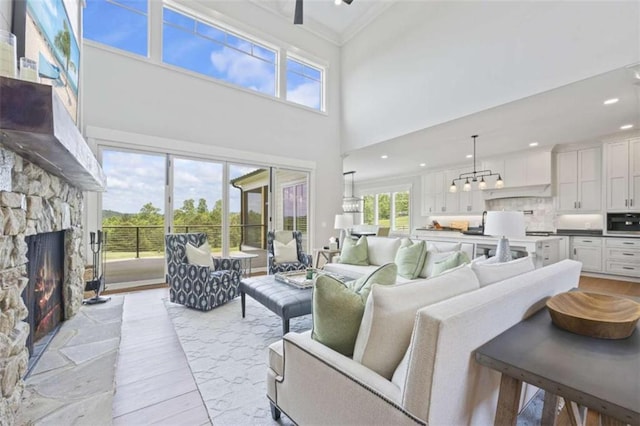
(343, 222)
(505, 224)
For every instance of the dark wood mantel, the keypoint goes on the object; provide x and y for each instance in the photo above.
(35, 124)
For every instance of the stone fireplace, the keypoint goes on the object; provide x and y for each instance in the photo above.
(32, 202)
(45, 165)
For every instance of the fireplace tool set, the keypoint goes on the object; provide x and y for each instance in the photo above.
(96, 284)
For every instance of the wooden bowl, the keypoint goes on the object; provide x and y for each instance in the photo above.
(594, 315)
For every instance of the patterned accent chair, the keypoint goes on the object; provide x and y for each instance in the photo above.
(304, 260)
(196, 286)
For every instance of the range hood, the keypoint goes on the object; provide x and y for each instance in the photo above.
(531, 191)
(35, 125)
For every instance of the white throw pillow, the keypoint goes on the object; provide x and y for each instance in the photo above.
(285, 252)
(199, 255)
(489, 273)
(387, 323)
(382, 250)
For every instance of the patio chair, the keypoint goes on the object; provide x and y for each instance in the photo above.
(196, 286)
(303, 260)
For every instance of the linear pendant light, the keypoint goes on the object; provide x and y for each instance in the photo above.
(475, 176)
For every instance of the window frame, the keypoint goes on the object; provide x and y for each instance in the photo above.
(118, 50)
(283, 49)
(294, 186)
(309, 63)
(199, 19)
(391, 192)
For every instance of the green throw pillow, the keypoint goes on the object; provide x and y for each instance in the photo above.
(456, 259)
(355, 253)
(410, 258)
(338, 307)
(384, 275)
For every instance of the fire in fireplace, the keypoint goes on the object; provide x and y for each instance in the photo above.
(43, 294)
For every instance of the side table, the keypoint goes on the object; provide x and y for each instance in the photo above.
(600, 374)
(245, 258)
(326, 253)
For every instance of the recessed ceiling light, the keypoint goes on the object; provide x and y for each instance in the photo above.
(469, 156)
(626, 127)
(611, 101)
(423, 164)
(337, 2)
(532, 144)
(384, 156)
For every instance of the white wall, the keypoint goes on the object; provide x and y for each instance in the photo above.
(424, 63)
(141, 97)
(5, 14)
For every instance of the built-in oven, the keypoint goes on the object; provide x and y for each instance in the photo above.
(623, 223)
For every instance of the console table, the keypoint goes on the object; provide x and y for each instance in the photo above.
(603, 375)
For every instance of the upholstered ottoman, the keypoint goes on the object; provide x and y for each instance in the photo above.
(280, 298)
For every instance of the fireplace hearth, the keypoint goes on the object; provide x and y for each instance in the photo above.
(43, 294)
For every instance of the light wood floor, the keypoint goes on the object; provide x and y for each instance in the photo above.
(153, 381)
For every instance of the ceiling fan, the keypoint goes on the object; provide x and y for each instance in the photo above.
(297, 16)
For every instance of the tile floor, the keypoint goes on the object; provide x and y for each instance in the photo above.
(163, 391)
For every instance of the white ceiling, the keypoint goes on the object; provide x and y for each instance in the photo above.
(571, 114)
(336, 23)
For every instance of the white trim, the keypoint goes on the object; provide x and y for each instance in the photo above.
(136, 141)
(369, 16)
(385, 189)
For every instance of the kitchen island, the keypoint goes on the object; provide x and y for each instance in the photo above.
(544, 250)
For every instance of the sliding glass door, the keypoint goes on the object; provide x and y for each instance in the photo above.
(291, 202)
(197, 201)
(150, 194)
(249, 214)
(133, 216)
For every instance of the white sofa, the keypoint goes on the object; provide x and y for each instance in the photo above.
(383, 250)
(441, 383)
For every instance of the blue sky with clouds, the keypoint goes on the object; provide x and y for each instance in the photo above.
(134, 179)
(199, 47)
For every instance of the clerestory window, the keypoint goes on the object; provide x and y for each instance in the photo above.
(206, 48)
(210, 50)
(304, 84)
(122, 24)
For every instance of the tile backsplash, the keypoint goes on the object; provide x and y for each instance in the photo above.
(542, 208)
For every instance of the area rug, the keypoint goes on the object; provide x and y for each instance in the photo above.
(227, 355)
(228, 358)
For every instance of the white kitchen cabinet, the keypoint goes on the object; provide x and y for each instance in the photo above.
(623, 175)
(550, 251)
(587, 250)
(622, 256)
(564, 243)
(471, 202)
(451, 199)
(433, 196)
(579, 180)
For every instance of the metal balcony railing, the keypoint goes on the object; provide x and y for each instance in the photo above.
(149, 239)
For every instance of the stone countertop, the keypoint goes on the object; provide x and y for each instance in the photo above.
(486, 239)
